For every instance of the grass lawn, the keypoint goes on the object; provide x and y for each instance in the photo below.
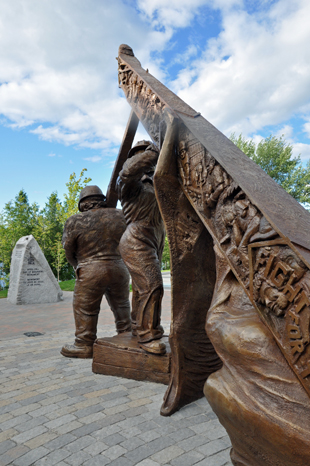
(3, 293)
(67, 285)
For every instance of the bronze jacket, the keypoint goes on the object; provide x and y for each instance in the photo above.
(93, 235)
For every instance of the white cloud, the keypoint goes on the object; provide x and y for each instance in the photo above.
(286, 131)
(178, 13)
(257, 138)
(302, 150)
(186, 55)
(51, 155)
(172, 14)
(95, 158)
(256, 72)
(58, 70)
(306, 127)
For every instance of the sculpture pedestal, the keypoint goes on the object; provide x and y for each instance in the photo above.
(121, 356)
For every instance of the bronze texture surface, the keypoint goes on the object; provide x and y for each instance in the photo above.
(91, 242)
(142, 244)
(211, 195)
(121, 356)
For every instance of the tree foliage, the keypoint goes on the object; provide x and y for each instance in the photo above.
(58, 255)
(165, 261)
(274, 155)
(74, 187)
(19, 218)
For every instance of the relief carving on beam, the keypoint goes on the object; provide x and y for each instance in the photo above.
(276, 279)
(146, 104)
(280, 287)
(188, 228)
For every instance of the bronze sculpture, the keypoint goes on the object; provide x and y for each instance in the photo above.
(91, 242)
(142, 244)
(214, 197)
(256, 395)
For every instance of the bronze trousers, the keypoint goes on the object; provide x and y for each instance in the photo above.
(93, 280)
(140, 254)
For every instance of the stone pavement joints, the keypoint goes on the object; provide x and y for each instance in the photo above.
(55, 411)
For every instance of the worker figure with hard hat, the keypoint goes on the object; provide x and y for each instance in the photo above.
(91, 242)
(142, 244)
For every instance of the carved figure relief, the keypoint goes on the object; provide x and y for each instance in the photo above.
(234, 222)
(187, 230)
(262, 277)
(148, 105)
(255, 395)
(280, 286)
(238, 225)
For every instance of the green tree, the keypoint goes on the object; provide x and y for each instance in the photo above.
(49, 226)
(165, 261)
(74, 187)
(58, 255)
(51, 223)
(274, 155)
(5, 258)
(70, 207)
(18, 219)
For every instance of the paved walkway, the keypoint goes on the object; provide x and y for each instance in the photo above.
(55, 411)
(166, 280)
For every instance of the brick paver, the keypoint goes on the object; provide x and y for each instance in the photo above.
(54, 410)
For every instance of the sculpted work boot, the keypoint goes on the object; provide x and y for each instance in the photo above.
(155, 347)
(77, 351)
(85, 336)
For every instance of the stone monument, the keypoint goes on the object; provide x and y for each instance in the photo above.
(31, 278)
(240, 255)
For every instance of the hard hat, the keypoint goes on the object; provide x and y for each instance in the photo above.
(141, 145)
(89, 191)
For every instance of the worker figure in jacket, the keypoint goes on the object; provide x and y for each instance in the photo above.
(142, 244)
(91, 242)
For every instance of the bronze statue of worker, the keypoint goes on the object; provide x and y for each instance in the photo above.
(91, 242)
(142, 244)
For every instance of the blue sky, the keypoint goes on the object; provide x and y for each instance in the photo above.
(244, 64)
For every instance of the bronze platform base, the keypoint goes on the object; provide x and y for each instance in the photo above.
(122, 357)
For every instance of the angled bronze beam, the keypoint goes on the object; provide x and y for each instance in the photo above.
(268, 196)
(204, 180)
(125, 147)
